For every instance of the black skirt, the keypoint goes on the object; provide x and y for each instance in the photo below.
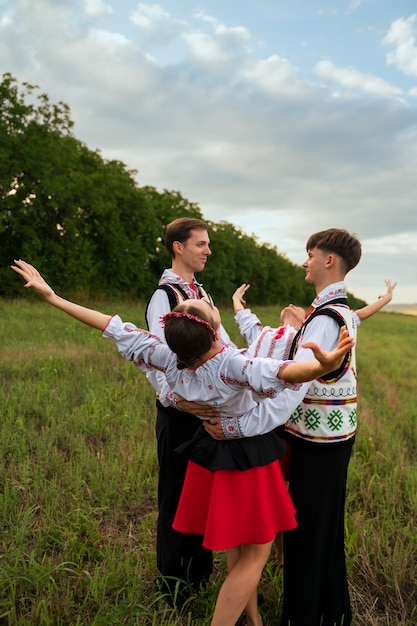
(240, 454)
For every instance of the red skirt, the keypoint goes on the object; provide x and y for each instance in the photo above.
(233, 507)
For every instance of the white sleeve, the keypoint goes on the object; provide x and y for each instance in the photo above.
(158, 306)
(265, 416)
(323, 330)
(224, 337)
(259, 375)
(146, 350)
(249, 325)
(269, 414)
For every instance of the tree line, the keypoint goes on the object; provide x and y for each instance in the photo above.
(90, 227)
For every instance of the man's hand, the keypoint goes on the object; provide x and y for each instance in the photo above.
(390, 288)
(214, 429)
(330, 361)
(195, 408)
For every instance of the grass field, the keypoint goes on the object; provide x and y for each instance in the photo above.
(78, 474)
(405, 309)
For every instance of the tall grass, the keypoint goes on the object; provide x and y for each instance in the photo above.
(78, 474)
(382, 501)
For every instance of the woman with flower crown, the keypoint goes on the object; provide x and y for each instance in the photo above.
(234, 493)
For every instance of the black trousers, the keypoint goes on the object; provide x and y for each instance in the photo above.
(315, 582)
(179, 555)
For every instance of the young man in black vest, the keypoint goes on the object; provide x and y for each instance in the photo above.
(321, 433)
(179, 556)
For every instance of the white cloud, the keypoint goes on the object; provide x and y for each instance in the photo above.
(97, 7)
(275, 75)
(353, 80)
(148, 16)
(5, 21)
(238, 33)
(223, 48)
(205, 49)
(393, 245)
(401, 34)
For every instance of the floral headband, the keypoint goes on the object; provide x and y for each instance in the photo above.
(179, 314)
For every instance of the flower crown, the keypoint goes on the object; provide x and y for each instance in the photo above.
(179, 314)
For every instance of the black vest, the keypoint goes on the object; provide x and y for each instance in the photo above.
(176, 294)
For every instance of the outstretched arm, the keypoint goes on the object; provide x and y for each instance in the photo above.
(376, 306)
(325, 362)
(34, 279)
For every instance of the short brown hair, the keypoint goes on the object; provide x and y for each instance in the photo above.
(346, 245)
(180, 230)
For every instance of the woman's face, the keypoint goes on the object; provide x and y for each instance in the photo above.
(210, 311)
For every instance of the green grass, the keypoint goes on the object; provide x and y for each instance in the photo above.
(78, 474)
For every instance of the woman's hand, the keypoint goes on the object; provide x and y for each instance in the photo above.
(83, 314)
(33, 278)
(238, 300)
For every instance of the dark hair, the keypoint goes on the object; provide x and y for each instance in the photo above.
(180, 230)
(187, 338)
(346, 245)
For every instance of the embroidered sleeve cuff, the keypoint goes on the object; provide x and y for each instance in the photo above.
(172, 400)
(230, 427)
(286, 384)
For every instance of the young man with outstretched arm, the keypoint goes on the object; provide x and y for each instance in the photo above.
(321, 431)
(276, 343)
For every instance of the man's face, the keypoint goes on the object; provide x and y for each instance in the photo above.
(195, 250)
(314, 265)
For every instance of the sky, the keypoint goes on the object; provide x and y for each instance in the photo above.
(281, 118)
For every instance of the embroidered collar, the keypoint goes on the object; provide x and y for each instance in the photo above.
(330, 293)
(170, 278)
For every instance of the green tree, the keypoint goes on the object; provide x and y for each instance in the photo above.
(63, 206)
(239, 258)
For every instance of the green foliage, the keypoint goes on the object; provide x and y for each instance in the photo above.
(239, 258)
(65, 208)
(87, 224)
